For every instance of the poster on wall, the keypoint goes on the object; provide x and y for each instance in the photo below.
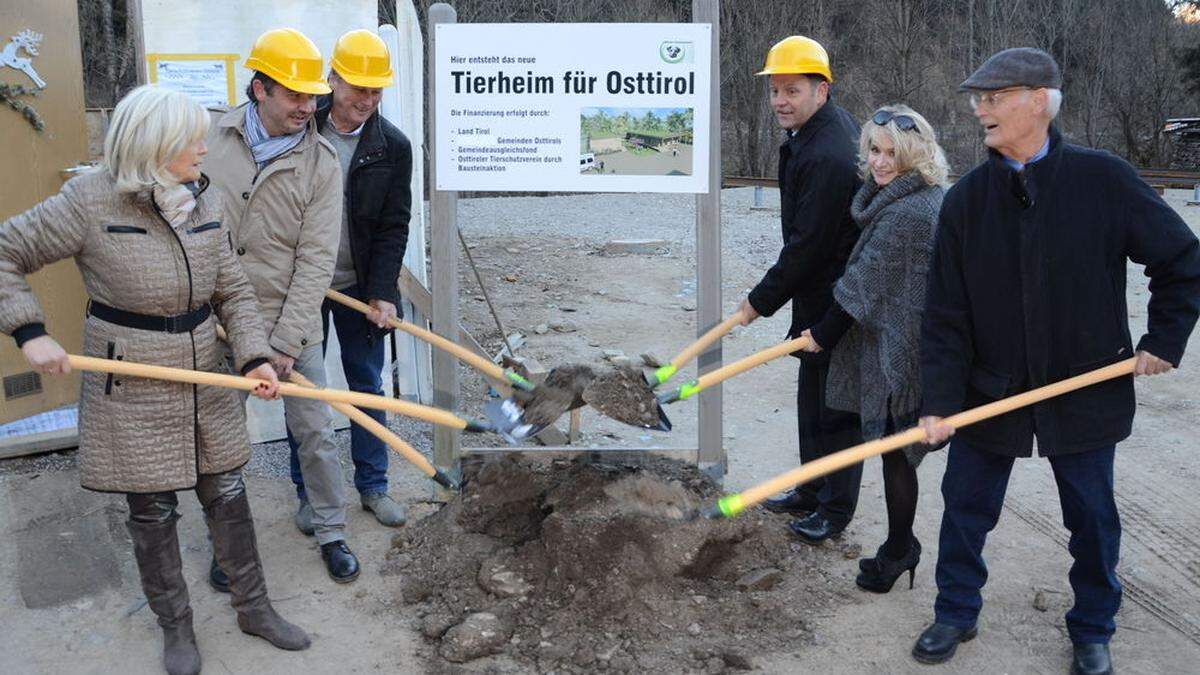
(208, 78)
(573, 107)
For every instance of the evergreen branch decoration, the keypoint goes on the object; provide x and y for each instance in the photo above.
(11, 93)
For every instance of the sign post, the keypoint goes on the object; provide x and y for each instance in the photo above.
(576, 108)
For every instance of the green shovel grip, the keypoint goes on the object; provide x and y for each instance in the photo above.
(730, 505)
(689, 389)
(665, 373)
(520, 382)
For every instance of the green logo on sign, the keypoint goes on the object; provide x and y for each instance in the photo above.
(675, 52)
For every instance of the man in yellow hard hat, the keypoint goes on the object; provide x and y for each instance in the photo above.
(376, 161)
(282, 190)
(818, 176)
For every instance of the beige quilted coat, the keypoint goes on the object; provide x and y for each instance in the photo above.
(135, 434)
(286, 222)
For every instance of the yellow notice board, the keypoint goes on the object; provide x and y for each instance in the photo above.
(208, 78)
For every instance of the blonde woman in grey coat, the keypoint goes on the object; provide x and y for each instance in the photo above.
(874, 325)
(156, 262)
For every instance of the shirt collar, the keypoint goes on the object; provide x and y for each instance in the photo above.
(1017, 166)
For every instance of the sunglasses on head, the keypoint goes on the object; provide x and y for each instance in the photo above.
(903, 122)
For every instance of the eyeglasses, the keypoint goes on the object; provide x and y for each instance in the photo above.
(903, 122)
(991, 98)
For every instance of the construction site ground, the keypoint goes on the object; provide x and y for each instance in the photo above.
(70, 600)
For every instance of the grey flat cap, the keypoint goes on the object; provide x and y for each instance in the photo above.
(1017, 67)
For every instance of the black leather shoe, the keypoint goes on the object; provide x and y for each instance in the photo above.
(814, 529)
(794, 501)
(217, 578)
(1091, 659)
(939, 642)
(341, 563)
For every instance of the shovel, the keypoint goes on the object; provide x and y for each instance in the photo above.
(640, 407)
(458, 351)
(664, 373)
(384, 434)
(690, 389)
(627, 396)
(731, 505)
(381, 432)
(354, 398)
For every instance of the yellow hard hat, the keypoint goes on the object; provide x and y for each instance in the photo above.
(287, 56)
(797, 55)
(361, 58)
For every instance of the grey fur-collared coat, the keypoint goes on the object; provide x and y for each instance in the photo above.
(135, 434)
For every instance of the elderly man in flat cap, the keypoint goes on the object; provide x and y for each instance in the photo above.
(1027, 287)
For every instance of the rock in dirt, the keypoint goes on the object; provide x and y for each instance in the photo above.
(610, 354)
(651, 360)
(737, 661)
(480, 634)
(435, 625)
(541, 329)
(634, 246)
(760, 580)
(652, 497)
(496, 578)
(564, 326)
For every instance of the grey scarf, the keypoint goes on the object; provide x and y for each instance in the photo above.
(874, 369)
(264, 146)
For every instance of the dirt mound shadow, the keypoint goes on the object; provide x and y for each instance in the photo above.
(578, 567)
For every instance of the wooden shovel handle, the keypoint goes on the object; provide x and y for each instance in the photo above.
(383, 433)
(458, 351)
(715, 333)
(421, 412)
(733, 504)
(754, 360)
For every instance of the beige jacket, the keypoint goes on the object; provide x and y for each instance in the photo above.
(286, 224)
(139, 435)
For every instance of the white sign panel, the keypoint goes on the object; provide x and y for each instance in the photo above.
(207, 81)
(573, 107)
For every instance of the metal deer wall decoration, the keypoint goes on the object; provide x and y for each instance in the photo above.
(28, 41)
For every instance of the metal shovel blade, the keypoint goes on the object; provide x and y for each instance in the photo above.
(509, 421)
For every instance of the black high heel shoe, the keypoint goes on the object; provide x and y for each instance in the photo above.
(879, 574)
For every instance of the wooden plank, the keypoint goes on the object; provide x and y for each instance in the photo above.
(420, 297)
(573, 430)
(568, 452)
(36, 444)
(711, 457)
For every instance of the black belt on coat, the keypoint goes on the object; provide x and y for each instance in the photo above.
(180, 323)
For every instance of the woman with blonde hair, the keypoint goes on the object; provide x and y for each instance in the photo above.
(874, 325)
(157, 265)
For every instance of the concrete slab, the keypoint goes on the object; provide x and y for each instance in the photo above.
(65, 538)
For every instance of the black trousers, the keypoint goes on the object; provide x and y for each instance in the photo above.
(824, 431)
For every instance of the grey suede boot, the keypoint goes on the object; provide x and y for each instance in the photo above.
(236, 548)
(156, 548)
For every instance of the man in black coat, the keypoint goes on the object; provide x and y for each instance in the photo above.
(1027, 287)
(818, 176)
(376, 161)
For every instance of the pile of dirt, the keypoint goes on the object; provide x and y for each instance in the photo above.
(576, 567)
(623, 394)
